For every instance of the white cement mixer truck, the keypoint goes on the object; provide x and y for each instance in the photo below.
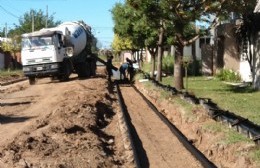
(57, 52)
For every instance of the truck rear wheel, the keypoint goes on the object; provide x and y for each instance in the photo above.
(32, 80)
(83, 70)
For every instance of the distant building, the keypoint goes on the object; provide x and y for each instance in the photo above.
(3, 39)
(8, 59)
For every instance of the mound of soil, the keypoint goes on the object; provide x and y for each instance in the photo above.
(77, 129)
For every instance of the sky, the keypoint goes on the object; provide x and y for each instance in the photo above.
(95, 13)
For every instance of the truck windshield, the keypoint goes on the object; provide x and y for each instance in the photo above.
(30, 42)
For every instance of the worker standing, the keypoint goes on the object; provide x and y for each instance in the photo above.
(130, 69)
(109, 67)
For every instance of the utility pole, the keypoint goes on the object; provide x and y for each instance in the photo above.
(46, 25)
(5, 31)
(32, 13)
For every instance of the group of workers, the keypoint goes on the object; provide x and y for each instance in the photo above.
(125, 69)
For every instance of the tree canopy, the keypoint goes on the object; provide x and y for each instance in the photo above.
(172, 21)
(31, 19)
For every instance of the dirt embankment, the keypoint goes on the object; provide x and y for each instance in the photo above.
(69, 124)
(196, 127)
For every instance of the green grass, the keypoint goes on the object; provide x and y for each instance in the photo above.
(241, 101)
(7, 73)
(147, 67)
(202, 86)
(230, 136)
(213, 127)
(256, 154)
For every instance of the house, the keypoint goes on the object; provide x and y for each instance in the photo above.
(10, 60)
(231, 52)
(237, 48)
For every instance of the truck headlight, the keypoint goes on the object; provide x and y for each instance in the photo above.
(25, 69)
(54, 66)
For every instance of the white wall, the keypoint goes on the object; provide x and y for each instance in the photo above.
(244, 71)
(187, 51)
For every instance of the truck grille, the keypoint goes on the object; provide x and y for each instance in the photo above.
(40, 60)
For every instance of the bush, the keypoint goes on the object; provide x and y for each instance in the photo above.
(197, 69)
(167, 64)
(228, 75)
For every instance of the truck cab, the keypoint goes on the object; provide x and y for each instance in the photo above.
(42, 54)
(59, 51)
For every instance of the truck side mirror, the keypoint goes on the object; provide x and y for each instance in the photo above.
(69, 51)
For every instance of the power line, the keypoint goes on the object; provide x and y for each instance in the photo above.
(11, 5)
(10, 13)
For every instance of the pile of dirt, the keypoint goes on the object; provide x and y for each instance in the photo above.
(78, 132)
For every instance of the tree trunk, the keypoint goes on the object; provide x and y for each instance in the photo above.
(160, 53)
(153, 65)
(140, 60)
(138, 57)
(178, 69)
(153, 53)
(194, 60)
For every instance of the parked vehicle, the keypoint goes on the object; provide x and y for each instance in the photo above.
(57, 52)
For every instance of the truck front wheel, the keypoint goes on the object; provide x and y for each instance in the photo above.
(66, 70)
(32, 80)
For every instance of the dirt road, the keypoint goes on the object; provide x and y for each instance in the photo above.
(59, 124)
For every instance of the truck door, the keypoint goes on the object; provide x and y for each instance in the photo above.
(61, 50)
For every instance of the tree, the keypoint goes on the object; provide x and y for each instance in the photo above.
(124, 29)
(246, 36)
(132, 23)
(184, 13)
(120, 44)
(2, 32)
(181, 15)
(25, 24)
(173, 21)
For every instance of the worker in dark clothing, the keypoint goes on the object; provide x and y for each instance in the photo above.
(128, 68)
(129, 61)
(109, 67)
(123, 68)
